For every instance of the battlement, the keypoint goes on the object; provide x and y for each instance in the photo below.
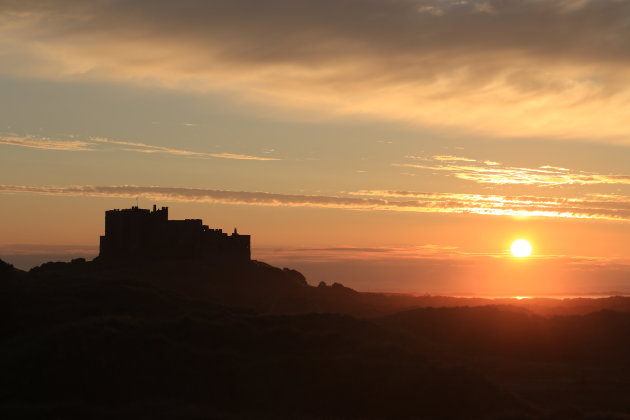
(145, 234)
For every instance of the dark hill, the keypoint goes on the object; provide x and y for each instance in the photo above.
(109, 346)
(168, 340)
(559, 361)
(271, 290)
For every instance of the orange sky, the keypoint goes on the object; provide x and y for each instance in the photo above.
(386, 145)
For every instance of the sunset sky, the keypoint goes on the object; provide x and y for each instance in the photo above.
(389, 145)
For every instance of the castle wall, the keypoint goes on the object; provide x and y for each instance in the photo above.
(143, 234)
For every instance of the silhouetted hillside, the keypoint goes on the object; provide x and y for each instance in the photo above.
(74, 347)
(7, 270)
(505, 331)
(271, 290)
(577, 361)
(94, 340)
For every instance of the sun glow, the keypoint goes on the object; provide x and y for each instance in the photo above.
(521, 248)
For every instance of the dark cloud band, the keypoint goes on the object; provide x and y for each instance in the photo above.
(509, 68)
(595, 209)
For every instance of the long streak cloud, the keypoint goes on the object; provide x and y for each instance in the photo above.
(99, 143)
(488, 172)
(616, 208)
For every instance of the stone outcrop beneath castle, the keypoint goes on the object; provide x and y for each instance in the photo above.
(145, 234)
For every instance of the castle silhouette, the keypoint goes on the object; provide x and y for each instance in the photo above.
(142, 234)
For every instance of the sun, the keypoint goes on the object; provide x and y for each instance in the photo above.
(521, 248)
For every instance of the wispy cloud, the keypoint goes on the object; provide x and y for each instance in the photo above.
(526, 205)
(46, 143)
(237, 156)
(438, 253)
(429, 251)
(489, 172)
(476, 65)
(98, 143)
(148, 148)
(596, 208)
(449, 158)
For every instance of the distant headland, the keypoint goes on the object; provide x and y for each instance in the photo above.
(143, 234)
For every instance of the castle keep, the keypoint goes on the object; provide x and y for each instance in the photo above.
(137, 233)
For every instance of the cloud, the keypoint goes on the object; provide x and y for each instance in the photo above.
(495, 173)
(609, 207)
(96, 143)
(516, 68)
(46, 143)
(147, 148)
(237, 157)
(515, 205)
(449, 158)
(485, 7)
(429, 251)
